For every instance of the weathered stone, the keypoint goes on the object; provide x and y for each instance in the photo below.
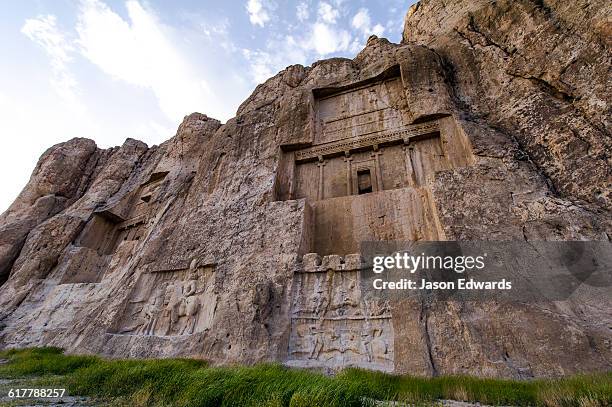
(241, 242)
(536, 72)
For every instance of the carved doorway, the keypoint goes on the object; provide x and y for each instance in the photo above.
(365, 177)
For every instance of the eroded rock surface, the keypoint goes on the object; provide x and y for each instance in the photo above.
(238, 242)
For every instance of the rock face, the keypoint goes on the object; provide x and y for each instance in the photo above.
(237, 242)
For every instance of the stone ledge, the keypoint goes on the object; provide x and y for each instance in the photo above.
(313, 263)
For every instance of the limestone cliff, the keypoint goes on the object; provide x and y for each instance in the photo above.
(490, 121)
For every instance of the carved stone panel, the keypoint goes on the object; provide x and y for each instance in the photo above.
(134, 227)
(363, 123)
(359, 111)
(170, 303)
(333, 325)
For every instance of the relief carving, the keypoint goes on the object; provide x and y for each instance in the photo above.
(360, 110)
(406, 133)
(171, 303)
(333, 324)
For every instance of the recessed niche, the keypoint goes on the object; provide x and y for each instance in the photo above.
(364, 181)
(109, 228)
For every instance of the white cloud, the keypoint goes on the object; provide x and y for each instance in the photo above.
(258, 15)
(320, 38)
(43, 30)
(361, 20)
(302, 13)
(142, 52)
(265, 64)
(328, 13)
(261, 64)
(363, 23)
(378, 30)
(219, 32)
(326, 40)
(323, 37)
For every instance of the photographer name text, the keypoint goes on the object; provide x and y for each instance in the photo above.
(413, 263)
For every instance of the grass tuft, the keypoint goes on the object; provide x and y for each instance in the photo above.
(188, 382)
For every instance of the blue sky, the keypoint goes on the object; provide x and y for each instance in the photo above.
(112, 69)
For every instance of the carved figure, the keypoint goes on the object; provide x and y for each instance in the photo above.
(338, 300)
(352, 296)
(146, 312)
(377, 307)
(174, 292)
(301, 342)
(316, 342)
(190, 304)
(380, 347)
(330, 345)
(345, 298)
(333, 345)
(348, 342)
(319, 298)
(150, 313)
(366, 341)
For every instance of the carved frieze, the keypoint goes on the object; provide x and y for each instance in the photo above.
(333, 324)
(171, 303)
(406, 133)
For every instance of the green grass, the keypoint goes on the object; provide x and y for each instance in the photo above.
(186, 382)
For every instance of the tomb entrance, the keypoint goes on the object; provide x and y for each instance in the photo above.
(366, 172)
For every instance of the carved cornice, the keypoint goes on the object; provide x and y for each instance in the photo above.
(137, 220)
(338, 147)
(167, 266)
(341, 318)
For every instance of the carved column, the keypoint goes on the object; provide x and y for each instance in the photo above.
(349, 173)
(292, 178)
(408, 149)
(320, 164)
(376, 154)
